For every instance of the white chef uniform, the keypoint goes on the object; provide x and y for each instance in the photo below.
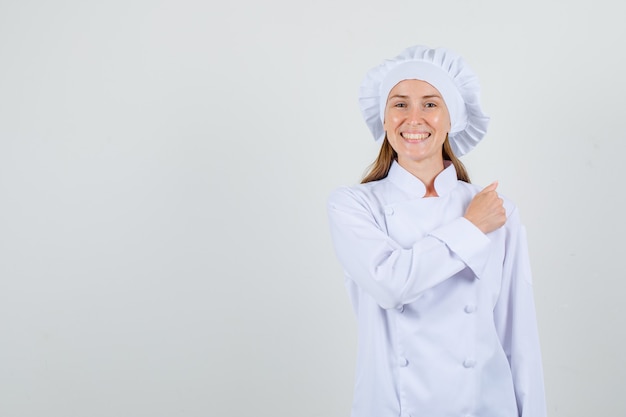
(446, 317)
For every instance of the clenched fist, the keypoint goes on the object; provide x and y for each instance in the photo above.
(486, 210)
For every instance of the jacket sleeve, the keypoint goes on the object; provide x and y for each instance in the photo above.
(516, 323)
(391, 274)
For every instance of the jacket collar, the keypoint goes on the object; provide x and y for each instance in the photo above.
(445, 181)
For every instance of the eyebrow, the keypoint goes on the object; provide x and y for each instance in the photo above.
(426, 96)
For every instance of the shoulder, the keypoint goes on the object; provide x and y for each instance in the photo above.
(369, 194)
(512, 213)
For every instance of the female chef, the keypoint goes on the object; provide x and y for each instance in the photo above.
(437, 269)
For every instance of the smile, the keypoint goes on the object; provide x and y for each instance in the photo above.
(415, 136)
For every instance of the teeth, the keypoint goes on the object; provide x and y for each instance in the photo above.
(416, 136)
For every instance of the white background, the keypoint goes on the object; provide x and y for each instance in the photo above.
(164, 169)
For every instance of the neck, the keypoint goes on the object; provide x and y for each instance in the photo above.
(426, 171)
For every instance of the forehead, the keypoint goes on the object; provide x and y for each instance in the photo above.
(414, 88)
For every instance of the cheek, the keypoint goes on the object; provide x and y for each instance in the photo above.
(391, 120)
(442, 120)
(445, 120)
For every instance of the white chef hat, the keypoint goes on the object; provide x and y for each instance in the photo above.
(444, 70)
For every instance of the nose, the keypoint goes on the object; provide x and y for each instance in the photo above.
(415, 116)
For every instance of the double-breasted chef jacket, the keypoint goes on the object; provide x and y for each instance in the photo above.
(445, 313)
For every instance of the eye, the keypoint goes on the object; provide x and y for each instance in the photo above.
(430, 105)
(400, 105)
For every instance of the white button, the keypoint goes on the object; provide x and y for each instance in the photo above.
(389, 211)
(469, 363)
(403, 362)
(470, 308)
(401, 309)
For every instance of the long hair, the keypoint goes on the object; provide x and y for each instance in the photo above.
(380, 167)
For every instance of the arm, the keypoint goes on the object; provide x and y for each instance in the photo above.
(391, 274)
(516, 323)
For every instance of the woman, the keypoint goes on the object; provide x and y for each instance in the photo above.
(436, 268)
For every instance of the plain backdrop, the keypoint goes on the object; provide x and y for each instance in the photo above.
(164, 169)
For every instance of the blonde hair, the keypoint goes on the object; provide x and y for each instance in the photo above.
(380, 167)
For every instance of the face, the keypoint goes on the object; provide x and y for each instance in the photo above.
(416, 122)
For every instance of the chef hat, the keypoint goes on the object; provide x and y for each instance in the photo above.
(444, 70)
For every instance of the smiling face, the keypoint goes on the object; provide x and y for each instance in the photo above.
(416, 122)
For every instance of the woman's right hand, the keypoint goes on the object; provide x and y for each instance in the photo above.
(486, 210)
